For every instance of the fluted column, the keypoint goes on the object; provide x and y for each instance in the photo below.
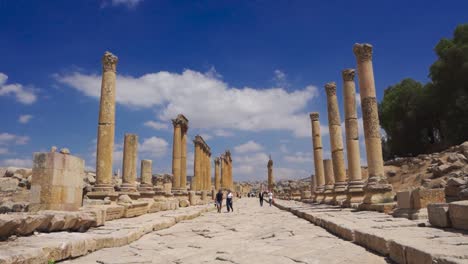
(318, 155)
(377, 188)
(208, 164)
(176, 154)
(336, 142)
(183, 160)
(196, 167)
(129, 167)
(106, 130)
(329, 180)
(217, 174)
(356, 184)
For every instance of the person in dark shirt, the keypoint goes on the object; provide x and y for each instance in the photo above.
(219, 200)
(260, 195)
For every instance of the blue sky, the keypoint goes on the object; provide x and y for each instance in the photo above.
(245, 73)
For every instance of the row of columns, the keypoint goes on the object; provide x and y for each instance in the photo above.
(202, 166)
(332, 185)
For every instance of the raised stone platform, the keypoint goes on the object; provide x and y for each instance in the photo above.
(58, 246)
(399, 238)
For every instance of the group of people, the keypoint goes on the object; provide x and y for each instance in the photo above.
(219, 201)
(261, 196)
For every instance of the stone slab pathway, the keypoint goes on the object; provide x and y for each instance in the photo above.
(252, 234)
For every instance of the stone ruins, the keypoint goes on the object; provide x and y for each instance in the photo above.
(411, 210)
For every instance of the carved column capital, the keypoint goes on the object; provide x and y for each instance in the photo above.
(314, 116)
(109, 62)
(363, 52)
(348, 74)
(330, 88)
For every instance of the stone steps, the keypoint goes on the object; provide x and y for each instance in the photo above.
(58, 246)
(398, 238)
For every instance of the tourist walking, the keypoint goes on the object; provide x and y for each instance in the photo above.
(270, 197)
(260, 196)
(219, 200)
(229, 201)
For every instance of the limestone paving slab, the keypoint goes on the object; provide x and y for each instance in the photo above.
(399, 238)
(57, 246)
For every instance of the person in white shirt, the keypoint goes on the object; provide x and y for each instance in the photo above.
(270, 196)
(229, 201)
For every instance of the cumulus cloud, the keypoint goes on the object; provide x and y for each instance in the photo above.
(153, 147)
(23, 119)
(157, 125)
(250, 146)
(22, 94)
(299, 157)
(223, 107)
(3, 151)
(6, 138)
(280, 79)
(24, 163)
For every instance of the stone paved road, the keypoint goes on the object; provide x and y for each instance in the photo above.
(252, 234)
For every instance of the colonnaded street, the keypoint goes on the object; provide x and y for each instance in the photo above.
(252, 234)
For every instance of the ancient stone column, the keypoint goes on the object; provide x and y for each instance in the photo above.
(270, 174)
(203, 169)
(224, 176)
(329, 181)
(129, 166)
(146, 185)
(183, 160)
(106, 130)
(336, 142)
(355, 186)
(196, 166)
(208, 164)
(318, 156)
(176, 154)
(377, 189)
(217, 174)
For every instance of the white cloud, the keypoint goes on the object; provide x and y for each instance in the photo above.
(23, 119)
(299, 157)
(157, 125)
(250, 146)
(223, 107)
(6, 138)
(3, 151)
(126, 3)
(250, 167)
(223, 133)
(22, 95)
(358, 100)
(23, 163)
(280, 79)
(154, 147)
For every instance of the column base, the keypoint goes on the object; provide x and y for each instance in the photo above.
(328, 194)
(378, 192)
(353, 199)
(101, 191)
(130, 190)
(146, 191)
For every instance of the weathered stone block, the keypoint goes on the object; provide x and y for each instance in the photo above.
(458, 212)
(56, 182)
(404, 199)
(422, 197)
(438, 214)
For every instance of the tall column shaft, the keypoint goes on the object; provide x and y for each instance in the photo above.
(329, 175)
(352, 131)
(146, 172)
(106, 128)
(129, 166)
(270, 174)
(183, 161)
(377, 188)
(318, 155)
(217, 175)
(209, 172)
(176, 154)
(196, 168)
(336, 139)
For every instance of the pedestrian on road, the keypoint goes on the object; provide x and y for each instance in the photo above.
(260, 196)
(219, 200)
(270, 197)
(229, 201)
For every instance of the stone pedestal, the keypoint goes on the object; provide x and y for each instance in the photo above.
(129, 167)
(318, 157)
(377, 189)
(106, 131)
(146, 185)
(355, 192)
(329, 193)
(57, 182)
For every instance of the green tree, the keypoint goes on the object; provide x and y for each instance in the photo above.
(448, 93)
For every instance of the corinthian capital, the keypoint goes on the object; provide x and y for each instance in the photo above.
(330, 88)
(109, 62)
(314, 116)
(363, 52)
(348, 74)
